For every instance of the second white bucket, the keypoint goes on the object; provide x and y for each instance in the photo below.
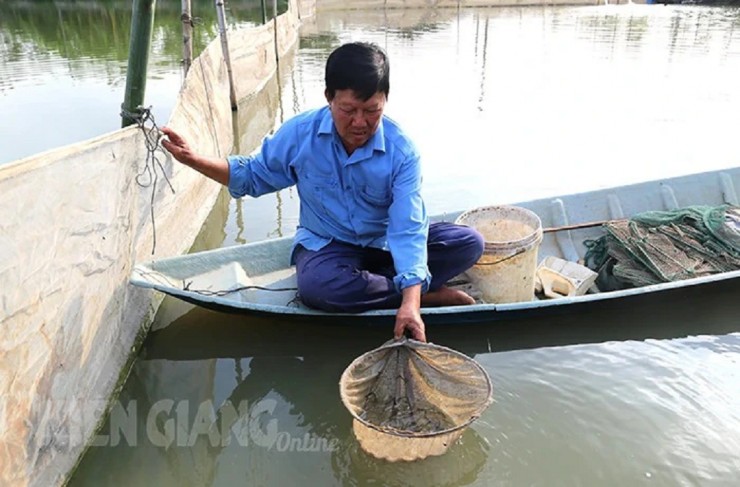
(506, 271)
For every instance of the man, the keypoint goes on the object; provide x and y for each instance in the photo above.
(364, 240)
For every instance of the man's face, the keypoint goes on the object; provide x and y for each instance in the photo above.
(356, 120)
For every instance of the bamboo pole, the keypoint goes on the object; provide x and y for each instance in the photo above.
(221, 14)
(577, 226)
(142, 25)
(264, 12)
(276, 33)
(275, 37)
(187, 36)
(277, 57)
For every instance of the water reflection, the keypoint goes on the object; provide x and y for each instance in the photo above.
(99, 31)
(69, 59)
(460, 465)
(258, 115)
(483, 62)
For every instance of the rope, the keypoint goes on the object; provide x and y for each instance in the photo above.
(519, 251)
(162, 279)
(225, 292)
(597, 252)
(149, 176)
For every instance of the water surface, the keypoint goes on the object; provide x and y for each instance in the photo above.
(63, 66)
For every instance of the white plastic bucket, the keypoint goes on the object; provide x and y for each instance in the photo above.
(506, 271)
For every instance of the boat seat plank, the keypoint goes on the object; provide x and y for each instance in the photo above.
(669, 197)
(729, 195)
(615, 207)
(564, 239)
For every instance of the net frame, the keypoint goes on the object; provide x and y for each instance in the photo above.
(344, 380)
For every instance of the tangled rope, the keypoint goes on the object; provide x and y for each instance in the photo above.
(148, 176)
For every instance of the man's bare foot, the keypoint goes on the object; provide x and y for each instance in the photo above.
(446, 296)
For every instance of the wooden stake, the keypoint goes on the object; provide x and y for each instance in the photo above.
(142, 25)
(264, 12)
(275, 38)
(221, 14)
(187, 36)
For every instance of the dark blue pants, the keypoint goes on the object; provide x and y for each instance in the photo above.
(349, 278)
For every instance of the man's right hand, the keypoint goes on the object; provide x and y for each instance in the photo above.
(214, 168)
(176, 145)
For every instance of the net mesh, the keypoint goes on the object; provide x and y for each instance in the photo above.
(663, 246)
(412, 399)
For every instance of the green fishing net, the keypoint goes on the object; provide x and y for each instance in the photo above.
(664, 246)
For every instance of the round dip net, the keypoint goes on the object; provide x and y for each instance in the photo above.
(411, 400)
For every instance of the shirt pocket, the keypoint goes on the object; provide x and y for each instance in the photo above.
(325, 194)
(321, 184)
(376, 196)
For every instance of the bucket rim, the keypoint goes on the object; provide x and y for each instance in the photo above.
(528, 241)
(417, 344)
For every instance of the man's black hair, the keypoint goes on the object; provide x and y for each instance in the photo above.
(359, 66)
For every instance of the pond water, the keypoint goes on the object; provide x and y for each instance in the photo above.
(506, 105)
(63, 66)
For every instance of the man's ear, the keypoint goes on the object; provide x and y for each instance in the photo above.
(326, 94)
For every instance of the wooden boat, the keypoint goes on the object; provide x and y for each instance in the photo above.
(267, 282)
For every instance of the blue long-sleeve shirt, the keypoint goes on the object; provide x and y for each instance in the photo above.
(370, 198)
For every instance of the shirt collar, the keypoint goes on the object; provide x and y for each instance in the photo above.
(327, 123)
(378, 139)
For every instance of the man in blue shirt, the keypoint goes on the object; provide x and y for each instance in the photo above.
(364, 240)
